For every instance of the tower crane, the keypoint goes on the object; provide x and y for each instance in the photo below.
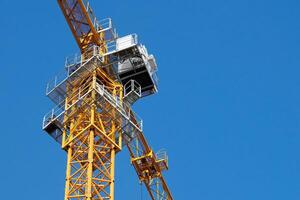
(93, 118)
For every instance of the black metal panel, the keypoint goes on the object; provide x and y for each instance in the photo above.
(140, 75)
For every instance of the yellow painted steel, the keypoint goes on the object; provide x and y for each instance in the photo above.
(89, 139)
(149, 168)
(81, 21)
(92, 130)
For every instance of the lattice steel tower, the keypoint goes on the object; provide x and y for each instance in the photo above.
(93, 118)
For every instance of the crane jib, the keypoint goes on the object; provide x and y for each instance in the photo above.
(82, 23)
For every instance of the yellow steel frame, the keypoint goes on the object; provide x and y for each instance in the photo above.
(149, 168)
(81, 20)
(92, 130)
(91, 139)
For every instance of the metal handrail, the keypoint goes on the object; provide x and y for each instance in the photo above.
(58, 110)
(64, 75)
(121, 106)
(79, 59)
(161, 155)
(132, 85)
(112, 46)
(104, 24)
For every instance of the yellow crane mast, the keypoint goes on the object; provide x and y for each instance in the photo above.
(93, 119)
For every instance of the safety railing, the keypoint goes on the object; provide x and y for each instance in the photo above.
(122, 107)
(106, 26)
(121, 43)
(161, 156)
(81, 59)
(57, 80)
(72, 60)
(151, 69)
(111, 47)
(73, 65)
(54, 114)
(59, 110)
(132, 86)
(102, 25)
(155, 78)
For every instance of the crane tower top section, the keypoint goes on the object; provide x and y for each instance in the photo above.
(93, 117)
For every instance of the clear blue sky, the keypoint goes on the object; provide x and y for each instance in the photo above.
(227, 111)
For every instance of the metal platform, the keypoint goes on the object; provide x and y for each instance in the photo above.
(131, 123)
(131, 64)
(75, 67)
(162, 159)
(129, 60)
(53, 122)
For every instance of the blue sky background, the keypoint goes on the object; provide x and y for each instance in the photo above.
(227, 109)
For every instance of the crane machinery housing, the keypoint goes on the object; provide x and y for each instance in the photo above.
(93, 118)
